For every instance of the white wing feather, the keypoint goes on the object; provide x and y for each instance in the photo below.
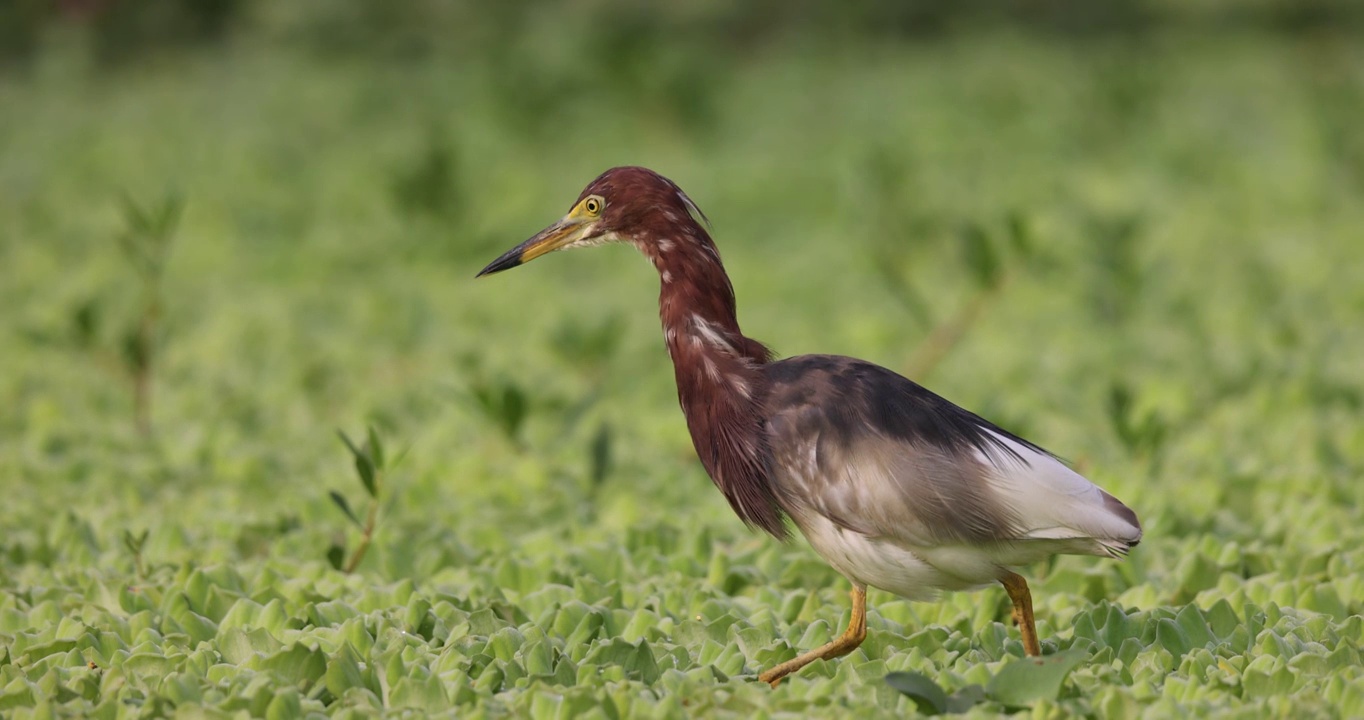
(1054, 502)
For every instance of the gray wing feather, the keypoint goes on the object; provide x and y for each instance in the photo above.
(882, 487)
(876, 453)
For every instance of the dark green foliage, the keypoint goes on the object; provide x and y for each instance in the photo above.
(1026, 680)
(135, 544)
(503, 403)
(370, 467)
(1142, 433)
(146, 241)
(588, 345)
(430, 184)
(925, 693)
(21, 26)
(600, 456)
(1119, 270)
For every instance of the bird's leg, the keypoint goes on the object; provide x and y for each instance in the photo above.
(842, 645)
(1017, 587)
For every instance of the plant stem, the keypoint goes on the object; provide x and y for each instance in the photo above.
(946, 335)
(142, 373)
(365, 538)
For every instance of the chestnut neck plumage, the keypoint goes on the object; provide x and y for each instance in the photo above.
(720, 382)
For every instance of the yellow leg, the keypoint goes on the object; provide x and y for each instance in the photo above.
(844, 644)
(1017, 587)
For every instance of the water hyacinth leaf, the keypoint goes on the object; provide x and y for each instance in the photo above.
(234, 646)
(635, 659)
(1117, 627)
(1195, 626)
(343, 671)
(284, 705)
(1173, 638)
(298, 665)
(965, 698)
(925, 693)
(1028, 680)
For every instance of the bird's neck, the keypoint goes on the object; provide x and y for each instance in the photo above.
(700, 320)
(720, 383)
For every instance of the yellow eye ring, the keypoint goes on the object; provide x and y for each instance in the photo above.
(592, 206)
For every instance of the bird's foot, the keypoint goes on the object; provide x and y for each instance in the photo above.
(840, 646)
(1017, 588)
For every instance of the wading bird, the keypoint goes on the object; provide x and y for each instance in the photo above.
(894, 486)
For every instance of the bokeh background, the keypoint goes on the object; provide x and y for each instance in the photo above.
(1128, 230)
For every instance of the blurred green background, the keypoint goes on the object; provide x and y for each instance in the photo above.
(1130, 231)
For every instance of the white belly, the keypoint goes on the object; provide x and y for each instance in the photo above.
(881, 564)
(914, 573)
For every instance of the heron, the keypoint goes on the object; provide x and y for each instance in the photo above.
(894, 486)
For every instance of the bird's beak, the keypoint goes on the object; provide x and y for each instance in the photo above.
(552, 238)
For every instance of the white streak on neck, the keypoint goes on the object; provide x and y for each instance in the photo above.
(709, 248)
(708, 333)
(712, 370)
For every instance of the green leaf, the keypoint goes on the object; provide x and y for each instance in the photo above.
(172, 208)
(513, 410)
(340, 501)
(135, 543)
(636, 659)
(234, 645)
(336, 555)
(601, 455)
(925, 693)
(364, 465)
(1195, 626)
(297, 665)
(284, 705)
(1028, 680)
(85, 321)
(1020, 235)
(981, 256)
(375, 448)
(426, 693)
(135, 351)
(887, 266)
(965, 699)
(1172, 637)
(343, 671)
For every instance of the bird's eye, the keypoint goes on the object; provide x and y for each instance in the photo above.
(593, 206)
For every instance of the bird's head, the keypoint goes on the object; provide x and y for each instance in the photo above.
(624, 204)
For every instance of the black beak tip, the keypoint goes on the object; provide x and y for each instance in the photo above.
(506, 262)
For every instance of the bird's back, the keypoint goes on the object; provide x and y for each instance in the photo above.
(863, 450)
